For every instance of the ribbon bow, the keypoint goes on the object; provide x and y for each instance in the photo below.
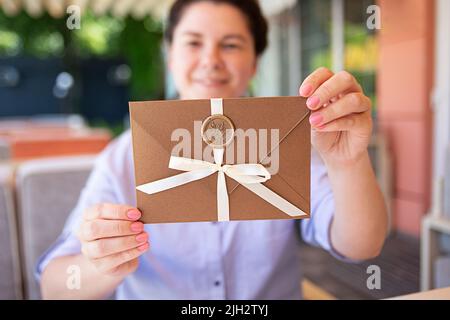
(199, 169)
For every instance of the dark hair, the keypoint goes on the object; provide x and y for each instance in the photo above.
(250, 8)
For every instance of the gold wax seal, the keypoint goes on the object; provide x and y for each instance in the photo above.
(217, 131)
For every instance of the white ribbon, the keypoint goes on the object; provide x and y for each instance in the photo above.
(249, 175)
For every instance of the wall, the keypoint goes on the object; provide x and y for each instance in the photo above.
(405, 79)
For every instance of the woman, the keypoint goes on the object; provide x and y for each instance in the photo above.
(213, 49)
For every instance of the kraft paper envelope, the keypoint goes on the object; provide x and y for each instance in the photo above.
(156, 128)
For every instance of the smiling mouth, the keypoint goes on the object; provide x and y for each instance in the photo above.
(212, 82)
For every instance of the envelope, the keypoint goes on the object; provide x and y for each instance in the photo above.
(156, 128)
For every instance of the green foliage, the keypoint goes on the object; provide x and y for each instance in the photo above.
(139, 42)
(321, 58)
(115, 129)
(98, 36)
(40, 37)
(355, 33)
(10, 43)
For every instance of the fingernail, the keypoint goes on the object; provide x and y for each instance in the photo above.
(312, 101)
(142, 237)
(143, 247)
(305, 90)
(315, 119)
(137, 226)
(133, 214)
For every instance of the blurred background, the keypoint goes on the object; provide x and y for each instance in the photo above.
(65, 87)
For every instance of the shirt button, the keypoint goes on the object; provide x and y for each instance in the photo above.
(217, 283)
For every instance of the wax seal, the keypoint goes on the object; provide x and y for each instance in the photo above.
(217, 131)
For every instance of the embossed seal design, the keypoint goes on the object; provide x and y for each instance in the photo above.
(217, 131)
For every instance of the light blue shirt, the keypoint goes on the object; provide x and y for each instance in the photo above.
(204, 260)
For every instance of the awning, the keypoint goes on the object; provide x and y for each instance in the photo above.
(119, 8)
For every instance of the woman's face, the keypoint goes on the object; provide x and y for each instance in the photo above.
(212, 52)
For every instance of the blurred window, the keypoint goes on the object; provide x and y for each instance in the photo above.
(359, 57)
(315, 26)
(315, 33)
(361, 49)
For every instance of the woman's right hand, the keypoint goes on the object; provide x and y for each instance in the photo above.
(112, 239)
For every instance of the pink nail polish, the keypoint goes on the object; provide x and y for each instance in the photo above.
(133, 214)
(143, 247)
(315, 119)
(312, 102)
(305, 90)
(137, 226)
(141, 238)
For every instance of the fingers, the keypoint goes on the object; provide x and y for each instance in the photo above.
(105, 247)
(348, 123)
(348, 104)
(96, 229)
(109, 211)
(314, 80)
(112, 238)
(110, 263)
(326, 87)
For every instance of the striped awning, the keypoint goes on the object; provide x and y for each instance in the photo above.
(58, 8)
(119, 8)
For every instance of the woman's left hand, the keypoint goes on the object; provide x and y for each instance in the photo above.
(340, 119)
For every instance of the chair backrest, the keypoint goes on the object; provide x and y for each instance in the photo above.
(5, 153)
(10, 272)
(47, 190)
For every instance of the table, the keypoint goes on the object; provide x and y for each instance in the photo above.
(435, 294)
(38, 142)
